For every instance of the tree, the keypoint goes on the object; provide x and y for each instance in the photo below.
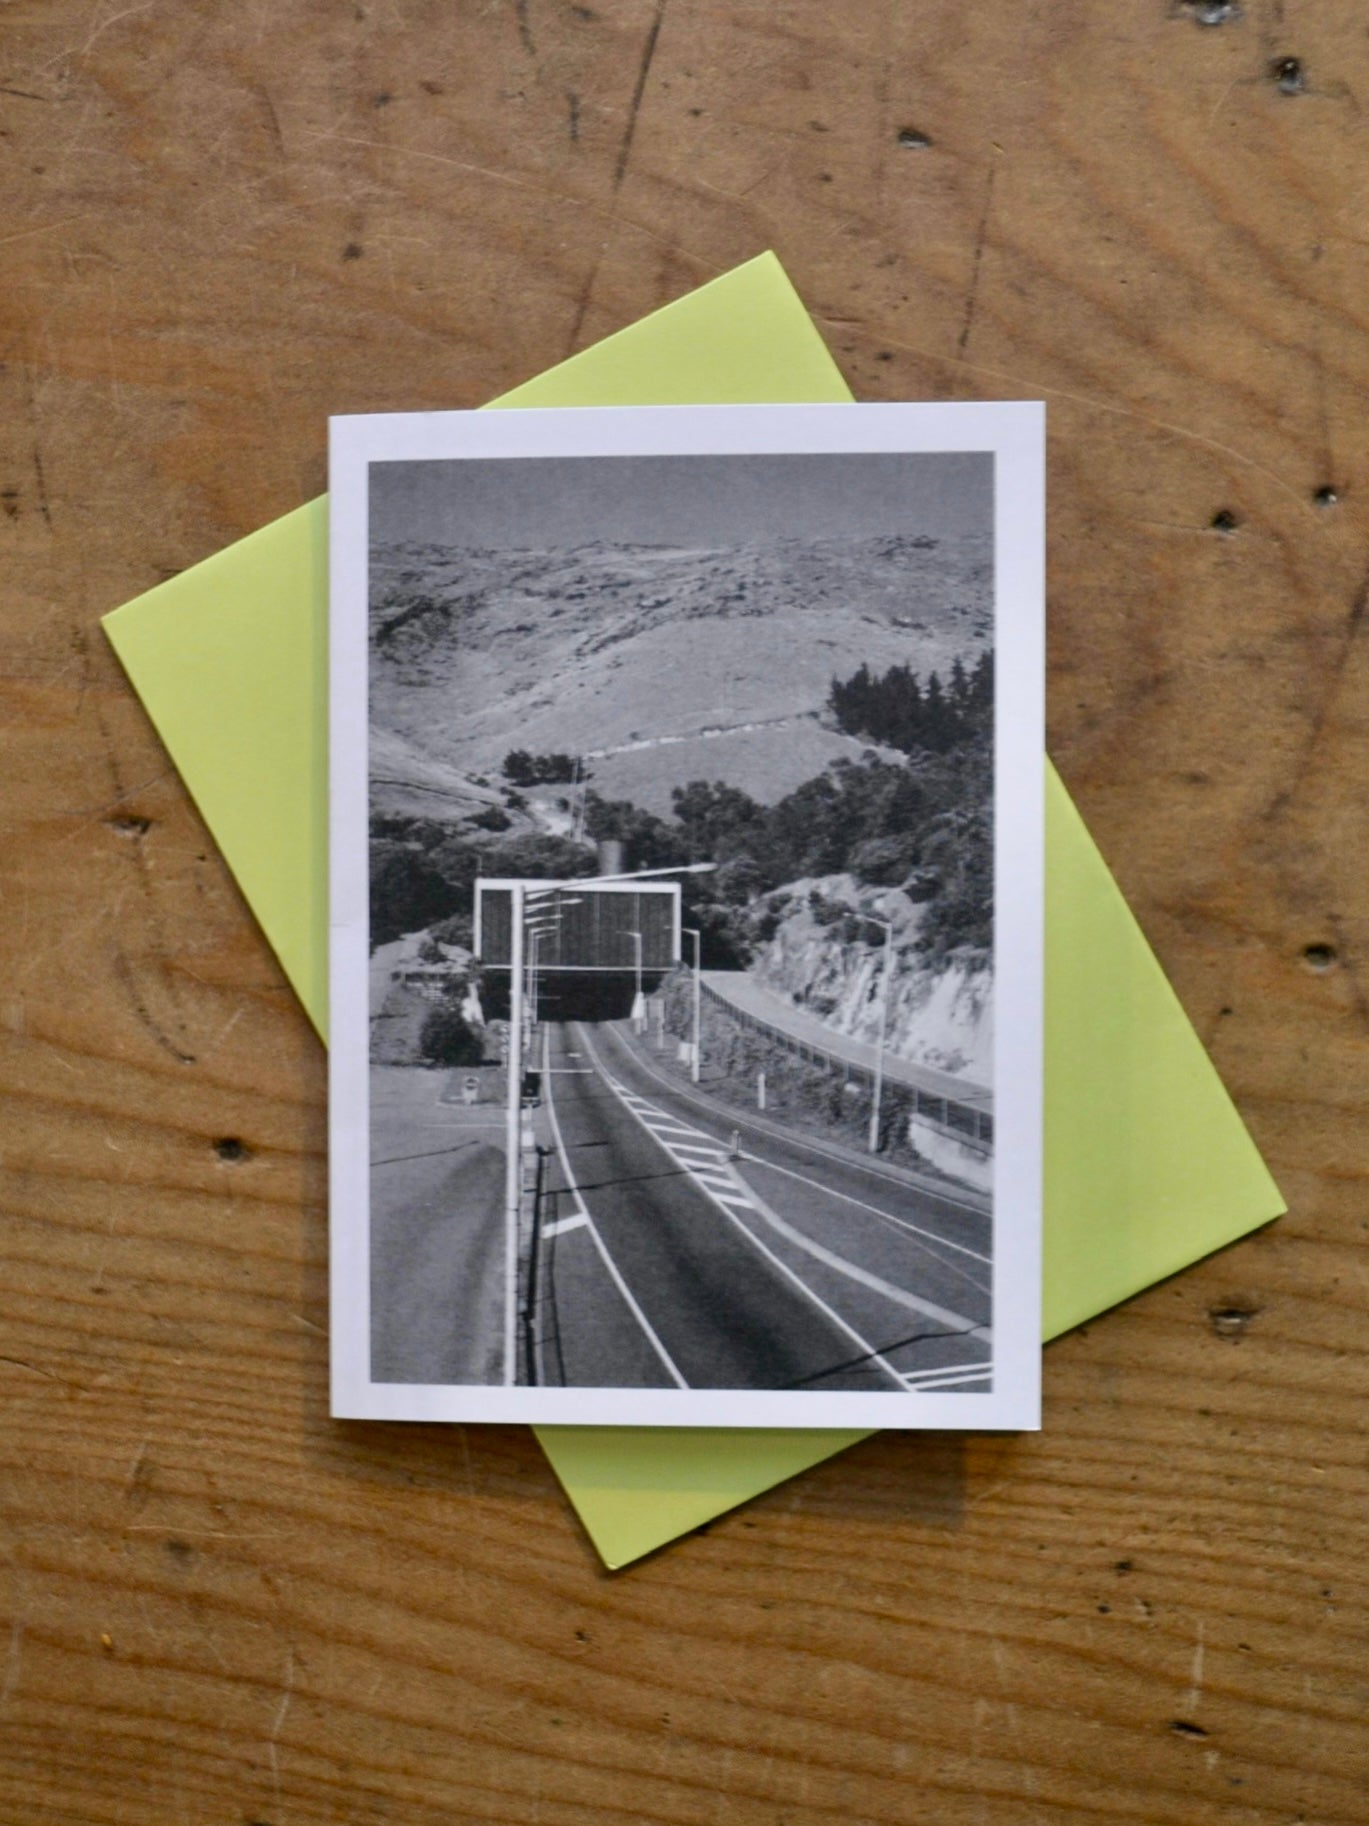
(526, 769)
(408, 891)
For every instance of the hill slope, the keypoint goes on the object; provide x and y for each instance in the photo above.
(665, 664)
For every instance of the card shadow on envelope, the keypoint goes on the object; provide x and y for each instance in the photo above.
(1148, 1166)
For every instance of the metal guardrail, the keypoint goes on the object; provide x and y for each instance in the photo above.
(973, 1127)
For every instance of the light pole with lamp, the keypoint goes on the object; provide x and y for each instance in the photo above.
(874, 920)
(539, 923)
(697, 936)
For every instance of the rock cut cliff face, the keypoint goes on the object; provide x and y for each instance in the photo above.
(940, 1012)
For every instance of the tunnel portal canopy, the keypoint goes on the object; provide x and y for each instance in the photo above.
(584, 925)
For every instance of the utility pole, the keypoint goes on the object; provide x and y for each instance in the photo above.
(883, 1026)
(695, 934)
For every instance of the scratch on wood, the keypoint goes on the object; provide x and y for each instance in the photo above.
(525, 37)
(1353, 621)
(14, 1661)
(1038, 388)
(639, 89)
(620, 166)
(43, 506)
(565, 197)
(273, 119)
(43, 228)
(279, 1721)
(34, 1369)
(124, 973)
(99, 31)
(139, 1476)
(980, 237)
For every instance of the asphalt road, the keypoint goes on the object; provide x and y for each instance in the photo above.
(666, 1263)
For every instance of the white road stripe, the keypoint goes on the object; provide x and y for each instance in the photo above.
(902, 1223)
(648, 1330)
(953, 1321)
(953, 1372)
(950, 1384)
(577, 1222)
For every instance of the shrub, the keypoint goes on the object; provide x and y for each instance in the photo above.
(448, 1038)
(458, 930)
(491, 819)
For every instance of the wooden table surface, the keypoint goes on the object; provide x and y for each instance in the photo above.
(222, 221)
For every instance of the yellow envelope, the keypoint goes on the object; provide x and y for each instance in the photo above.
(1147, 1164)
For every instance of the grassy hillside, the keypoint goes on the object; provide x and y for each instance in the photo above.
(664, 664)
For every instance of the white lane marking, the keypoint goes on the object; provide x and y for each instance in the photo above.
(582, 1210)
(702, 1157)
(951, 1384)
(953, 1321)
(560, 1227)
(977, 1209)
(866, 1349)
(889, 1217)
(953, 1372)
(651, 1118)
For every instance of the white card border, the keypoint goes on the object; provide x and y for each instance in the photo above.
(1014, 432)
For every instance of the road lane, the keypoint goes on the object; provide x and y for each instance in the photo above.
(726, 1315)
(933, 1244)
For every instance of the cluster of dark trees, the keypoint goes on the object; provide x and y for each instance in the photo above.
(424, 873)
(923, 823)
(526, 769)
(898, 709)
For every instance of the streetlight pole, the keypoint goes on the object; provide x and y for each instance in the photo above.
(638, 1001)
(883, 1026)
(513, 1138)
(695, 934)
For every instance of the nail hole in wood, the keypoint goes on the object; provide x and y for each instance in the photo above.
(1231, 1318)
(1289, 76)
(1224, 521)
(1319, 956)
(229, 1147)
(912, 138)
(1211, 12)
(1326, 496)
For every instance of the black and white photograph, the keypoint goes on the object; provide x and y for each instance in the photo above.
(687, 853)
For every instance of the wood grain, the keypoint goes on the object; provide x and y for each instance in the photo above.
(222, 222)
